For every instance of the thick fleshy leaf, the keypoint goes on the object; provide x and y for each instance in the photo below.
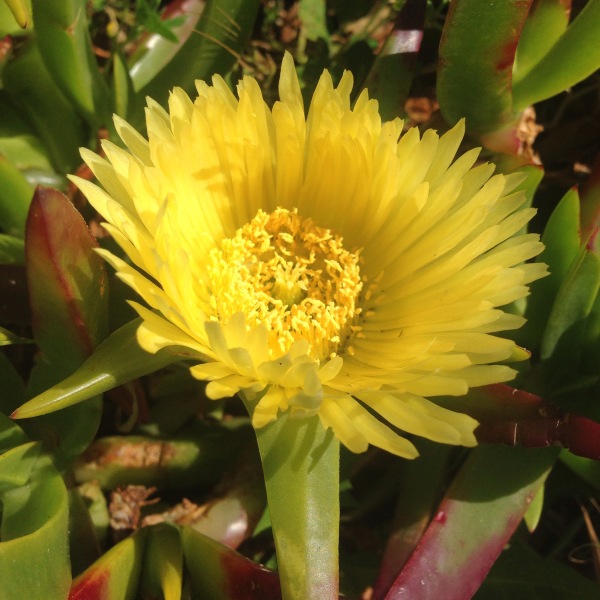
(220, 34)
(574, 303)
(546, 22)
(30, 87)
(21, 12)
(68, 298)
(420, 484)
(162, 571)
(391, 75)
(82, 534)
(34, 558)
(7, 338)
(477, 517)
(117, 360)
(122, 86)
(115, 575)
(300, 461)
(590, 204)
(16, 465)
(561, 240)
(219, 573)
(565, 64)
(12, 390)
(475, 70)
(12, 250)
(67, 282)
(66, 47)
(15, 197)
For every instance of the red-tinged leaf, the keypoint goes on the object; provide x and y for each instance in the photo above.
(590, 205)
(391, 75)
(67, 281)
(115, 575)
(420, 484)
(477, 53)
(499, 402)
(578, 434)
(475, 520)
(68, 297)
(219, 573)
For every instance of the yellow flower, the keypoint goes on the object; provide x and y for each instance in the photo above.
(324, 265)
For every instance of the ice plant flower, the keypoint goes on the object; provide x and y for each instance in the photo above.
(327, 264)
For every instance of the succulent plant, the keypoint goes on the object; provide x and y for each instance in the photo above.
(313, 298)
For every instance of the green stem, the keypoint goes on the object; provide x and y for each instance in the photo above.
(301, 467)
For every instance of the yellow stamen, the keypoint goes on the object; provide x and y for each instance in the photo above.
(283, 270)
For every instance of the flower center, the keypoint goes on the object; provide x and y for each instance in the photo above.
(296, 278)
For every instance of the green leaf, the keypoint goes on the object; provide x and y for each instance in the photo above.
(534, 512)
(565, 64)
(15, 197)
(122, 86)
(12, 250)
(115, 575)
(34, 558)
(12, 390)
(162, 572)
(82, 534)
(476, 62)
(16, 465)
(561, 241)
(313, 15)
(29, 88)
(66, 47)
(545, 24)
(21, 11)
(521, 574)
(480, 512)
(7, 338)
(115, 361)
(301, 467)
(219, 573)
(586, 468)
(573, 304)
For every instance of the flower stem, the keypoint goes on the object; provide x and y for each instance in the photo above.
(301, 468)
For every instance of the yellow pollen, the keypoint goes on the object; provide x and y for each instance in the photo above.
(294, 277)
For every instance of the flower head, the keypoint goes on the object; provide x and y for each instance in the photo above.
(325, 265)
